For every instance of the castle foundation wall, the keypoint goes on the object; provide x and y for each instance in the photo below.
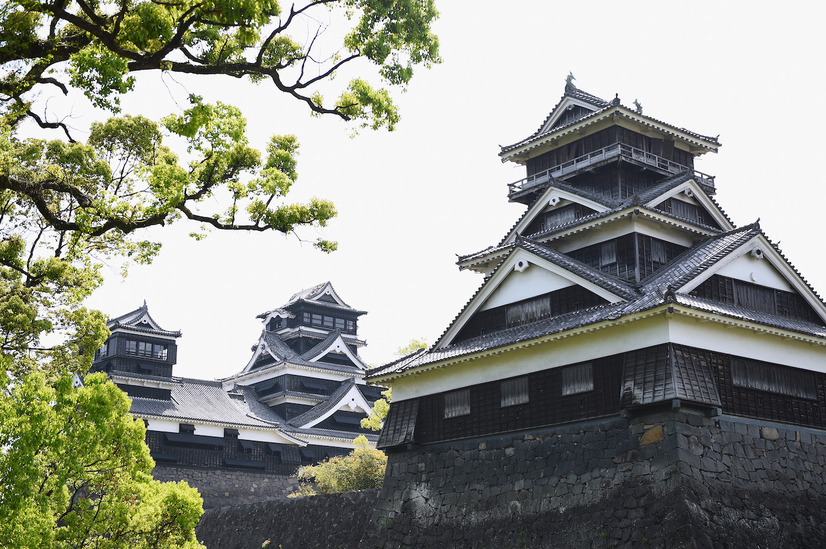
(664, 479)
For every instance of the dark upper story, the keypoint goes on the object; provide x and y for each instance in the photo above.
(314, 316)
(138, 345)
(310, 315)
(604, 147)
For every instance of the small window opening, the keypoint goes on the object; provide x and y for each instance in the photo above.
(457, 403)
(514, 391)
(577, 379)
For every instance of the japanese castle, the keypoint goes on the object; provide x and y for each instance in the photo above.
(299, 399)
(624, 286)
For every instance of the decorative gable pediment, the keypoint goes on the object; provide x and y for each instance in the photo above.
(263, 349)
(324, 293)
(689, 201)
(350, 400)
(541, 212)
(568, 110)
(335, 345)
(524, 275)
(758, 263)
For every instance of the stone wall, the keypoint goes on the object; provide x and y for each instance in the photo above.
(668, 478)
(223, 488)
(328, 521)
(665, 479)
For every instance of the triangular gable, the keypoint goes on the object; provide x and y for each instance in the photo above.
(261, 348)
(521, 275)
(333, 345)
(351, 401)
(552, 198)
(139, 318)
(324, 293)
(561, 114)
(692, 193)
(619, 114)
(757, 261)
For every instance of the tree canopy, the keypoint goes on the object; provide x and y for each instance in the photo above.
(73, 467)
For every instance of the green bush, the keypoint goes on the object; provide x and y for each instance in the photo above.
(361, 469)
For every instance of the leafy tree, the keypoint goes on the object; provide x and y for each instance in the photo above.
(361, 469)
(78, 473)
(378, 412)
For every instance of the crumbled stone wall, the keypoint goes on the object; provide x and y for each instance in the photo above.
(222, 488)
(328, 521)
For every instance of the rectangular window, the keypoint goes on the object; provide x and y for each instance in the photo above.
(577, 379)
(658, 252)
(328, 321)
(131, 347)
(514, 391)
(457, 403)
(307, 318)
(159, 351)
(761, 376)
(608, 253)
(351, 326)
(559, 217)
(340, 323)
(316, 320)
(754, 297)
(529, 311)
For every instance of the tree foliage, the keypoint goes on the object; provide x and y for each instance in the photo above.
(76, 472)
(98, 47)
(378, 412)
(361, 469)
(74, 468)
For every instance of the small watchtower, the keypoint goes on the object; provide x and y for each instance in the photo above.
(138, 345)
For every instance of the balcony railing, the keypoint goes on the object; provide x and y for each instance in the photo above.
(600, 156)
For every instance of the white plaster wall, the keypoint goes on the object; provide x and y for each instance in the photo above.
(757, 271)
(747, 343)
(531, 282)
(162, 425)
(209, 430)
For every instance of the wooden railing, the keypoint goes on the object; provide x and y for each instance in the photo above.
(601, 155)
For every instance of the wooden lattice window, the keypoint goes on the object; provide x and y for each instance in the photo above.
(457, 403)
(577, 379)
(514, 391)
(762, 376)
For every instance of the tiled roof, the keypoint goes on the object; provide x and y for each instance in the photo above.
(608, 282)
(131, 321)
(686, 266)
(655, 290)
(612, 204)
(196, 400)
(508, 336)
(326, 342)
(285, 355)
(309, 295)
(322, 408)
(747, 315)
(608, 107)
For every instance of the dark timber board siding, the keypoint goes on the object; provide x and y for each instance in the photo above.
(548, 406)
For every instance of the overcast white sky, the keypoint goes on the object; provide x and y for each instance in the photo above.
(409, 201)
